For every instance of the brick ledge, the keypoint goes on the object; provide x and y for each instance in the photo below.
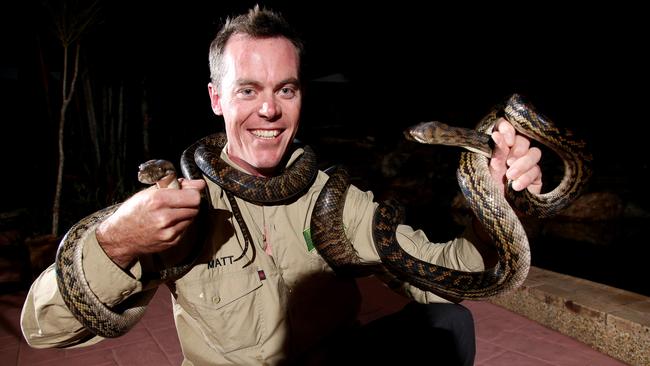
(613, 321)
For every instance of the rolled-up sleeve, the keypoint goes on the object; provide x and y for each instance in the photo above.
(45, 319)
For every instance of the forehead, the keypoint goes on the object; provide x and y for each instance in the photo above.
(246, 54)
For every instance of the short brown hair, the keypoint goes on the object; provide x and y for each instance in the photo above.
(257, 23)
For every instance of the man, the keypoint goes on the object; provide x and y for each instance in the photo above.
(288, 305)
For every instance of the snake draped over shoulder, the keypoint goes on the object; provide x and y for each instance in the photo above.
(260, 190)
(485, 199)
(289, 184)
(201, 158)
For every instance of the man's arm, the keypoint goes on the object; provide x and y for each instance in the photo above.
(149, 222)
(473, 251)
(45, 319)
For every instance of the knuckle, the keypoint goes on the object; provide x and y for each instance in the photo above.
(502, 124)
(522, 142)
(155, 200)
(536, 152)
(195, 198)
(531, 175)
(167, 235)
(162, 221)
(189, 194)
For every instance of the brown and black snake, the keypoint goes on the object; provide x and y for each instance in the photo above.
(201, 158)
(493, 211)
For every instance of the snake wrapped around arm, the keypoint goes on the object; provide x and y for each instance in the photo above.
(73, 286)
(199, 160)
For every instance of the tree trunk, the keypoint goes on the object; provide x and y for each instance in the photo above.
(92, 118)
(67, 97)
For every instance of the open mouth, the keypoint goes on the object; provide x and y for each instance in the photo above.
(266, 134)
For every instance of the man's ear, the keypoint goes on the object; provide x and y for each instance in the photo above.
(215, 99)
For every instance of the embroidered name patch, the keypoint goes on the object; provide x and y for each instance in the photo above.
(223, 261)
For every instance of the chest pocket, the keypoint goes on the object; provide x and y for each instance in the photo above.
(228, 307)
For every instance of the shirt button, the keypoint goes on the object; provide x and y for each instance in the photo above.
(126, 292)
(216, 299)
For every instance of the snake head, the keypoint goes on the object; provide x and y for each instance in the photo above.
(154, 170)
(425, 132)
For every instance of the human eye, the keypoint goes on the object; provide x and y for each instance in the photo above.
(287, 92)
(246, 93)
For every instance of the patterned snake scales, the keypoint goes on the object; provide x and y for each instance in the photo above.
(202, 159)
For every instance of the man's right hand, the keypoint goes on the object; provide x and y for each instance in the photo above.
(150, 221)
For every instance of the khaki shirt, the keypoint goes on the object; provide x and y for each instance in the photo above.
(285, 303)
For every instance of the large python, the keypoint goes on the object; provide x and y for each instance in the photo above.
(201, 158)
(484, 198)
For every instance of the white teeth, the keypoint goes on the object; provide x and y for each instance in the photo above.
(265, 134)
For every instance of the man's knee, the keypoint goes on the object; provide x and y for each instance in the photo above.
(447, 316)
(418, 334)
(448, 324)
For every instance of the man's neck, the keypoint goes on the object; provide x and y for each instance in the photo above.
(266, 173)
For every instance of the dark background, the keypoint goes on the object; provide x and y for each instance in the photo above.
(372, 70)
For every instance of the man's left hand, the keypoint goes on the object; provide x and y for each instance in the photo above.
(514, 160)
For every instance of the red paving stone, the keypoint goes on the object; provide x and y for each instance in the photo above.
(503, 337)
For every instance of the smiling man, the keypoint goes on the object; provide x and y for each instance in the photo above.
(285, 305)
(258, 93)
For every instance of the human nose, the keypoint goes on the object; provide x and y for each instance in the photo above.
(269, 109)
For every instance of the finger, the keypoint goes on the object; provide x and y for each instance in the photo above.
(183, 214)
(505, 128)
(197, 184)
(531, 179)
(524, 163)
(171, 220)
(178, 198)
(519, 148)
(170, 225)
(171, 217)
(536, 185)
(173, 234)
(501, 148)
(498, 165)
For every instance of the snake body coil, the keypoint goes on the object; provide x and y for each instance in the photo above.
(484, 197)
(494, 213)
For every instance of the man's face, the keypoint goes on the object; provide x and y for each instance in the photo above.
(260, 100)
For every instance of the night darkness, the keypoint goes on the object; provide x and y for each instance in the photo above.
(585, 68)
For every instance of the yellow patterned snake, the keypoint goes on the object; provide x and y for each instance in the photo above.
(490, 206)
(484, 197)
